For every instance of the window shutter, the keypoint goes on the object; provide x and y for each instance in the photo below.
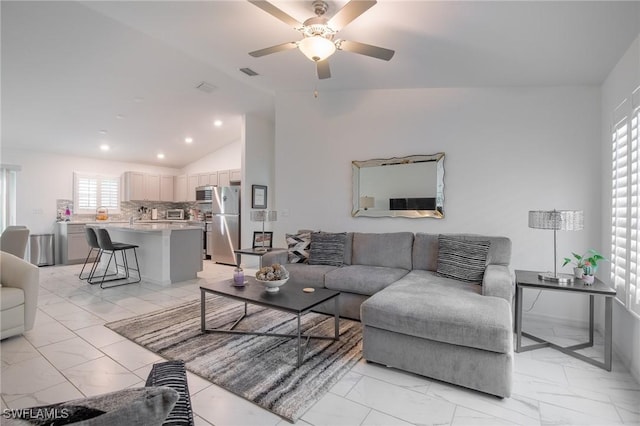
(87, 197)
(625, 203)
(633, 297)
(93, 191)
(109, 195)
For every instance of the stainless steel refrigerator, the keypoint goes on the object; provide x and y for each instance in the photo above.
(224, 232)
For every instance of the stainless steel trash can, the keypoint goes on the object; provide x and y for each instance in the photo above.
(42, 249)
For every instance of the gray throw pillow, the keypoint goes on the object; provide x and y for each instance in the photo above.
(298, 246)
(136, 406)
(327, 248)
(463, 260)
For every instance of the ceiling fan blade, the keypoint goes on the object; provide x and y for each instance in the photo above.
(276, 13)
(365, 49)
(274, 49)
(323, 69)
(349, 12)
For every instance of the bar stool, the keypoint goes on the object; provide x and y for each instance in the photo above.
(109, 247)
(92, 240)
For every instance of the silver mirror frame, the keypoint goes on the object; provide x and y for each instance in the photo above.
(438, 213)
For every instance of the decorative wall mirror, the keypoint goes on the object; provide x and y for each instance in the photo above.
(410, 186)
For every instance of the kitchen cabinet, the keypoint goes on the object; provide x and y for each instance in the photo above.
(166, 188)
(180, 188)
(133, 186)
(203, 179)
(235, 176)
(223, 178)
(192, 184)
(151, 187)
(140, 186)
(213, 178)
(72, 243)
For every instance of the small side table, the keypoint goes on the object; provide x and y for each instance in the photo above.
(254, 252)
(529, 279)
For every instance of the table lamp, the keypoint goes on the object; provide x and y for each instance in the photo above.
(263, 216)
(558, 220)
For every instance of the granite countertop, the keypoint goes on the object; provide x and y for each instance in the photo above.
(147, 227)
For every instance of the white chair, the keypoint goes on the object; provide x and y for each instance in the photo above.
(14, 240)
(20, 283)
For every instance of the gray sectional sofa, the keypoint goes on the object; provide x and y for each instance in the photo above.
(413, 318)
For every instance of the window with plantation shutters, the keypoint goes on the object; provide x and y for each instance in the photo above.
(625, 203)
(93, 191)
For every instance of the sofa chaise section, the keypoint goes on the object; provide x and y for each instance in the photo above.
(443, 328)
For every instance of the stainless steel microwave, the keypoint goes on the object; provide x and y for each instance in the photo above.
(204, 194)
(175, 214)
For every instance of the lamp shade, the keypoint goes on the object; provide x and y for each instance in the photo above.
(559, 220)
(317, 48)
(367, 202)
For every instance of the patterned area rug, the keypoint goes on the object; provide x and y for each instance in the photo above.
(261, 369)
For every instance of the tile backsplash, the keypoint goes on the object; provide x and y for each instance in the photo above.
(128, 209)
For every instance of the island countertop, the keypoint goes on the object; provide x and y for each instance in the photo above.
(167, 253)
(146, 227)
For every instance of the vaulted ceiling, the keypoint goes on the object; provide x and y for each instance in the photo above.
(76, 75)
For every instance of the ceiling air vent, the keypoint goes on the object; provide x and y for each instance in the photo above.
(206, 87)
(249, 72)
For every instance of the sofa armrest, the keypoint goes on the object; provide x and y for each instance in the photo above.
(15, 272)
(497, 282)
(275, 256)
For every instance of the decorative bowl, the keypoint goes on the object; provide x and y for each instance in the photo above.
(272, 286)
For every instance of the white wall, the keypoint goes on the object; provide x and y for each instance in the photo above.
(227, 157)
(619, 85)
(47, 177)
(508, 151)
(257, 169)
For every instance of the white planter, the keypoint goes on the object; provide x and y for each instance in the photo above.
(578, 272)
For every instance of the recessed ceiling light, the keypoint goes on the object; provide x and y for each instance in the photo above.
(217, 123)
(104, 147)
(160, 156)
(138, 99)
(103, 132)
(188, 140)
(119, 116)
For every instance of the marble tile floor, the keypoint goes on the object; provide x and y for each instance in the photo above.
(69, 354)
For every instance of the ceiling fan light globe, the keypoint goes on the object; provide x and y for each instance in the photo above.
(317, 48)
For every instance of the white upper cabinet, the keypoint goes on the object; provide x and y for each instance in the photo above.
(235, 175)
(192, 184)
(151, 187)
(166, 188)
(180, 188)
(133, 186)
(223, 178)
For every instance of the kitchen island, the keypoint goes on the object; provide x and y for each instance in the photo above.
(167, 253)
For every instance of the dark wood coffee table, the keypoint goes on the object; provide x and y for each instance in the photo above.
(289, 299)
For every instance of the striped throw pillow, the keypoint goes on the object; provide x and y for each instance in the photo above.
(327, 248)
(462, 260)
(298, 246)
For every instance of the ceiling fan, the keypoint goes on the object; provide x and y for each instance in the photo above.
(318, 33)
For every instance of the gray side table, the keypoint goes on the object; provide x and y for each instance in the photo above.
(254, 252)
(529, 279)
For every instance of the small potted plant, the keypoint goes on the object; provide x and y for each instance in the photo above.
(578, 262)
(586, 265)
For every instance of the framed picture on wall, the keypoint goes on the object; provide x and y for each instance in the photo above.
(258, 239)
(258, 197)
